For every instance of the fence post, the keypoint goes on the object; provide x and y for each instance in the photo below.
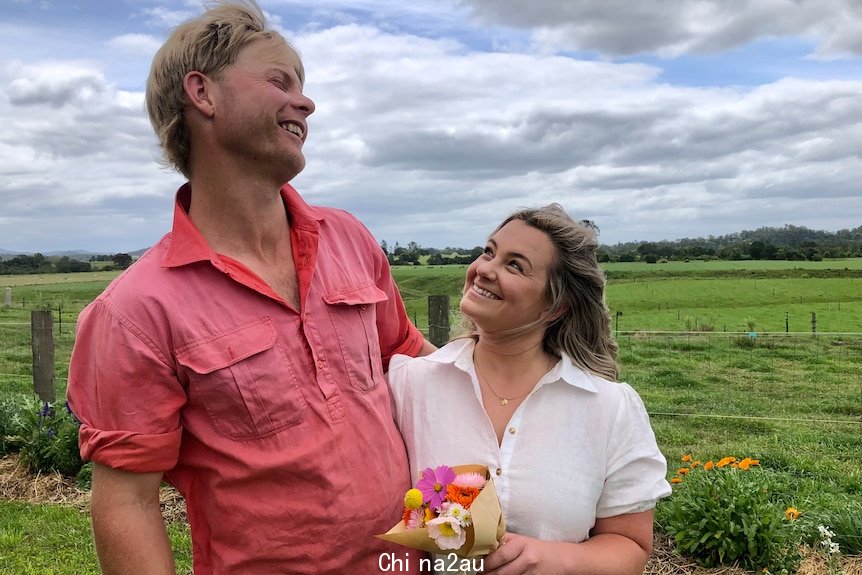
(438, 319)
(7, 299)
(42, 329)
(813, 323)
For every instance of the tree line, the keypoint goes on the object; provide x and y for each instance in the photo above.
(794, 243)
(41, 264)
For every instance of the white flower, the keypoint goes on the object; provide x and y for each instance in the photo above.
(834, 549)
(456, 510)
(446, 532)
(825, 533)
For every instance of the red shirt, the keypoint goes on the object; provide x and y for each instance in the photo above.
(275, 424)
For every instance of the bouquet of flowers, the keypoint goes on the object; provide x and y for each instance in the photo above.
(451, 509)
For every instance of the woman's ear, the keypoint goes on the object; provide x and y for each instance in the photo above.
(552, 317)
(198, 89)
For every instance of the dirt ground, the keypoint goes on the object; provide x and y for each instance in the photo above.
(16, 484)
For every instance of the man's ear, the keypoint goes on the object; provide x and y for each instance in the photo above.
(198, 89)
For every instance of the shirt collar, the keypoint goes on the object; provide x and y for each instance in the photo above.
(188, 245)
(460, 354)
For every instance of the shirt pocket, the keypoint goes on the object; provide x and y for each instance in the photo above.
(244, 381)
(353, 313)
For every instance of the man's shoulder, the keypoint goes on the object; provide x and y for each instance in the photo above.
(145, 274)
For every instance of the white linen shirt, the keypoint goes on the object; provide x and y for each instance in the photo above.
(579, 447)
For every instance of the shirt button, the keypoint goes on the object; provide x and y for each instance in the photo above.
(499, 472)
(363, 306)
(512, 431)
(320, 364)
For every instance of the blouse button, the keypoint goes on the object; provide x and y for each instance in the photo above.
(511, 431)
(499, 472)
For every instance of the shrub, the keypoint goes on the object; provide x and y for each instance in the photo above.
(49, 440)
(726, 514)
(13, 409)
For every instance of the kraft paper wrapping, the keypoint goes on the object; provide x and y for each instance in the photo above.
(483, 536)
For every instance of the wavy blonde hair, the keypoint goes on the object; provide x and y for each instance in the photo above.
(576, 292)
(207, 44)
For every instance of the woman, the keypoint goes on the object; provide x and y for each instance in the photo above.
(532, 394)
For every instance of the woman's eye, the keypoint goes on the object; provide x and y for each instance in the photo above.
(488, 252)
(516, 265)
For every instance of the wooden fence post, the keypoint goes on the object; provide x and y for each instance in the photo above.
(42, 329)
(813, 323)
(7, 299)
(438, 319)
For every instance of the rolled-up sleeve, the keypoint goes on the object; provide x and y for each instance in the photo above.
(636, 468)
(124, 390)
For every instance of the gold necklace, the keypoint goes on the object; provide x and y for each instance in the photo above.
(503, 400)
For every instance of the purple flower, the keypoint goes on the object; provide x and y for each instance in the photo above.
(433, 484)
(46, 410)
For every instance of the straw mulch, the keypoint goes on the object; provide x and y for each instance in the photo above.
(17, 484)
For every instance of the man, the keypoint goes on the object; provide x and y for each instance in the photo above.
(241, 358)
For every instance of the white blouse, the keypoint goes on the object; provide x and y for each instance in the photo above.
(577, 448)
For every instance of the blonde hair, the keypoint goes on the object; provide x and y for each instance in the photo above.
(207, 44)
(576, 292)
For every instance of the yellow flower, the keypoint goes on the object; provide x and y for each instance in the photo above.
(413, 499)
(725, 461)
(686, 458)
(708, 465)
(676, 480)
(792, 513)
(682, 471)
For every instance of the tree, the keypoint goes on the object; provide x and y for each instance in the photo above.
(122, 261)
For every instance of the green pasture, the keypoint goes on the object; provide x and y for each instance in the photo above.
(696, 265)
(793, 401)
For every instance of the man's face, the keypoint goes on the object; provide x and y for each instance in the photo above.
(260, 111)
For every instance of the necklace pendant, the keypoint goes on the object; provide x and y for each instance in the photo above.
(503, 401)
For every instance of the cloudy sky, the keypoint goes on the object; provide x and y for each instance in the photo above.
(657, 119)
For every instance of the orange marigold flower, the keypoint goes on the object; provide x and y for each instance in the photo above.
(686, 458)
(676, 480)
(748, 462)
(406, 517)
(682, 471)
(708, 465)
(461, 495)
(725, 461)
(695, 463)
(792, 513)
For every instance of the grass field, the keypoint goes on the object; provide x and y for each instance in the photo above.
(792, 401)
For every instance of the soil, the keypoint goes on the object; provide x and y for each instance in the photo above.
(17, 484)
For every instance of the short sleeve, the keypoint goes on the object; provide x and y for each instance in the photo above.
(636, 469)
(125, 392)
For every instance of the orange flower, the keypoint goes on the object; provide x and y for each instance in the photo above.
(406, 516)
(461, 495)
(695, 463)
(725, 461)
(686, 458)
(792, 513)
(748, 462)
(708, 465)
(676, 480)
(682, 471)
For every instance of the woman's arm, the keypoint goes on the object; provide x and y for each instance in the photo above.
(618, 545)
(127, 523)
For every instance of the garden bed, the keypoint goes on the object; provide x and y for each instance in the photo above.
(17, 484)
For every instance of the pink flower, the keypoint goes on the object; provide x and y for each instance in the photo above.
(416, 519)
(447, 532)
(469, 479)
(433, 484)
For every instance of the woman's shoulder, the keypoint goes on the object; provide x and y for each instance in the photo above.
(402, 367)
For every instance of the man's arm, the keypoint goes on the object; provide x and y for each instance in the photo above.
(127, 523)
(427, 347)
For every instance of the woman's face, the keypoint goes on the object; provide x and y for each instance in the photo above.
(506, 286)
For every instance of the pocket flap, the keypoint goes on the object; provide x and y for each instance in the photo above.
(366, 294)
(226, 348)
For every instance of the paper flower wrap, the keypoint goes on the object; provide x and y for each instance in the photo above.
(445, 520)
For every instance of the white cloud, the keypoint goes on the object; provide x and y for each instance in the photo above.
(674, 27)
(139, 44)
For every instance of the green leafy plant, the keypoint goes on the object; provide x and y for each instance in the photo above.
(726, 514)
(49, 440)
(13, 413)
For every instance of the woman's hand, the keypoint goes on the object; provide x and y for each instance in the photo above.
(520, 554)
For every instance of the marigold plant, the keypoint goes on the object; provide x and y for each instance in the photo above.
(724, 515)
